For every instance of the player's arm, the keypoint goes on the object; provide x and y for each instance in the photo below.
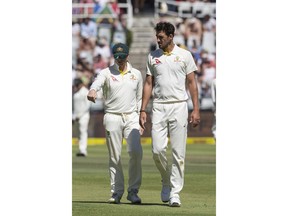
(147, 92)
(139, 93)
(96, 86)
(193, 89)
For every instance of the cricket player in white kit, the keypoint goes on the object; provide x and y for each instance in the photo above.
(81, 114)
(122, 92)
(168, 70)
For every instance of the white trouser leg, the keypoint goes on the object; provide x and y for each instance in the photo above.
(178, 138)
(113, 125)
(83, 129)
(172, 117)
(134, 149)
(159, 142)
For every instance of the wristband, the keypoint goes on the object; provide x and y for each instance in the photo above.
(142, 111)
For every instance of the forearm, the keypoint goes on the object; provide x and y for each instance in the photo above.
(98, 82)
(193, 90)
(195, 100)
(139, 95)
(147, 92)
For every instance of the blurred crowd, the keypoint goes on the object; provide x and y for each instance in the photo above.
(92, 41)
(198, 35)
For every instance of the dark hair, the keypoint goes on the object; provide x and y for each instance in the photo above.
(166, 27)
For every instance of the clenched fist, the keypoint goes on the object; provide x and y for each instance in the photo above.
(91, 95)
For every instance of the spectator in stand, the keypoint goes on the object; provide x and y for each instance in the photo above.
(128, 32)
(194, 32)
(99, 64)
(139, 6)
(209, 31)
(163, 9)
(179, 31)
(78, 72)
(76, 29)
(103, 49)
(89, 30)
(118, 32)
(88, 76)
(196, 51)
(180, 26)
(209, 23)
(115, 7)
(85, 51)
(208, 73)
(81, 73)
(75, 40)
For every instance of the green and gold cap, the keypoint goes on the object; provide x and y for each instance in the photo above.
(120, 50)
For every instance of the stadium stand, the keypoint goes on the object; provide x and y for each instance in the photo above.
(98, 24)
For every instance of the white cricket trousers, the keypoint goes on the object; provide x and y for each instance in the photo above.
(172, 119)
(118, 126)
(83, 130)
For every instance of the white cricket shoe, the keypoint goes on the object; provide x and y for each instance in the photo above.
(133, 197)
(174, 202)
(165, 193)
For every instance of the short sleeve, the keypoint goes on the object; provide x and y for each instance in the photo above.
(190, 63)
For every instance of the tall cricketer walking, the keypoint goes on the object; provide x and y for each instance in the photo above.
(168, 70)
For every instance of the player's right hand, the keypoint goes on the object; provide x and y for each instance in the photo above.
(142, 119)
(91, 95)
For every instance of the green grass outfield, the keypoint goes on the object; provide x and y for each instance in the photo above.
(91, 186)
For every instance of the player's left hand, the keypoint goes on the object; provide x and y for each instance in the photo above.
(195, 118)
(142, 119)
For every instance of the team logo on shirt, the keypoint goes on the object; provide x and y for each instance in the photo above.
(157, 61)
(133, 77)
(113, 78)
(177, 59)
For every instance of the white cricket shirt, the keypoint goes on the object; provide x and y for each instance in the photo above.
(170, 71)
(121, 93)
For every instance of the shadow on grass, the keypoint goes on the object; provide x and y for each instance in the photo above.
(123, 203)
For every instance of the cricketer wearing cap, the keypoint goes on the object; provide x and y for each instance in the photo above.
(122, 92)
(168, 70)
